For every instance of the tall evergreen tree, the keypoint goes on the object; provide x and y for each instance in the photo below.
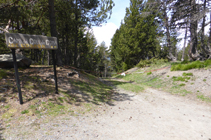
(137, 37)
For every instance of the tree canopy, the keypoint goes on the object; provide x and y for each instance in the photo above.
(152, 28)
(68, 20)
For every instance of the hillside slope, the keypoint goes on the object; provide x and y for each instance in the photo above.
(77, 94)
(193, 83)
(151, 114)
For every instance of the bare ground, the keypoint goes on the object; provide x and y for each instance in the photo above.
(150, 115)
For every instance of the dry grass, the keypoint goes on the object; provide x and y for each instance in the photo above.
(76, 94)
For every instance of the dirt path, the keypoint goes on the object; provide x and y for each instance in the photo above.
(152, 115)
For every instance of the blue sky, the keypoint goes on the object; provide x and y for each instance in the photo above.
(106, 32)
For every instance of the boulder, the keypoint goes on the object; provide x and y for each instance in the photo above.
(6, 61)
(74, 73)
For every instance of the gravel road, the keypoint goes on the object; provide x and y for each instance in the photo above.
(151, 115)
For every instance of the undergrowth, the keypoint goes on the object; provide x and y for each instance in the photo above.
(42, 100)
(152, 62)
(145, 80)
(2, 73)
(204, 98)
(191, 65)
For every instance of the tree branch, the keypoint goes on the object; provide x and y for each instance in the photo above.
(205, 25)
(9, 4)
(7, 27)
(40, 17)
(4, 30)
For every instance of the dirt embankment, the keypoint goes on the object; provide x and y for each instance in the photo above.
(199, 83)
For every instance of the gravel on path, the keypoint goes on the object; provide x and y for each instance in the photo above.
(150, 115)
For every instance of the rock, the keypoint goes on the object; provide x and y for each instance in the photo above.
(123, 74)
(6, 61)
(73, 73)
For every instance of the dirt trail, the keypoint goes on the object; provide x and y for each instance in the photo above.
(151, 115)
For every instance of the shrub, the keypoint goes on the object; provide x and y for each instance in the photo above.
(145, 63)
(187, 74)
(142, 63)
(124, 66)
(186, 66)
(149, 73)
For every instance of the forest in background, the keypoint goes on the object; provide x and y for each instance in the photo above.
(150, 29)
(68, 20)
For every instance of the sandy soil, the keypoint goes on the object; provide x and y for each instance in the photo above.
(199, 83)
(150, 115)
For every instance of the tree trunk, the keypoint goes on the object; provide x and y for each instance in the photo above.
(68, 56)
(48, 58)
(183, 50)
(210, 31)
(43, 59)
(169, 46)
(54, 31)
(206, 51)
(64, 47)
(76, 37)
(193, 53)
(105, 71)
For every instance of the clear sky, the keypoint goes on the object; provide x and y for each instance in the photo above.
(106, 32)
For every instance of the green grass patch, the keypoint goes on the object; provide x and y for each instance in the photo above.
(142, 80)
(134, 77)
(32, 107)
(176, 89)
(24, 111)
(149, 73)
(187, 74)
(61, 99)
(191, 65)
(204, 98)
(95, 89)
(56, 109)
(29, 85)
(154, 83)
(9, 113)
(131, 87)
(7, 106)
(182, 84)
(88, 107)
(180, 78)
(118, 76)
(51, 104)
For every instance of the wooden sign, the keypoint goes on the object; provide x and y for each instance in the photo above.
(25, 41)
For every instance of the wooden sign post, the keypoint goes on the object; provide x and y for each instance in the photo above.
(25, 41)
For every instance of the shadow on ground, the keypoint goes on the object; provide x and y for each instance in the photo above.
(1, 137)
(38, 83)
